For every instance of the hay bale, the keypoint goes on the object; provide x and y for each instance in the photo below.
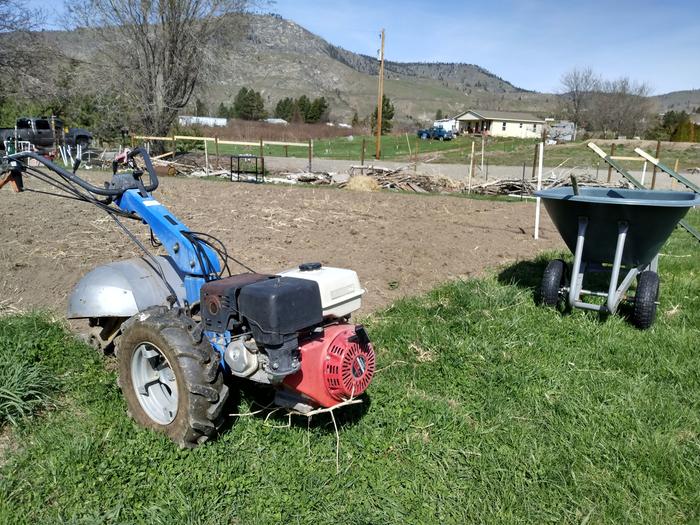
(362, 183)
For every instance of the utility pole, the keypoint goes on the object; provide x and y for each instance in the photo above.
(380, 100)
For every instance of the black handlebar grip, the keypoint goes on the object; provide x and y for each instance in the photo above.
(149, 166)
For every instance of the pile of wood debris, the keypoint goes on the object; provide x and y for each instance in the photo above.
(525, 187)
(404, 179)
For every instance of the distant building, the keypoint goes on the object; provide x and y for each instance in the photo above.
(185, 120)
(500, 123)
(562, 131)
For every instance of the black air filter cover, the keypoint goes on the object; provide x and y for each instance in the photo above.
(280, 307)
(218, 300)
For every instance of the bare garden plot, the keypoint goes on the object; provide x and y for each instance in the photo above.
(399, 244)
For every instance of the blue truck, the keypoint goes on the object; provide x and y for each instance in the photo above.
(434, 133)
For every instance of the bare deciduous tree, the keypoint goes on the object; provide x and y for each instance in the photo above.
(621, 107)
(22, 51)
(159, 49)
(579, 86)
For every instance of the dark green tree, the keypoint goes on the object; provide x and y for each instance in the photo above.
(387, 116)
(240, 103)
(355, 120)
(439, 115)
(200, 108)
(303, 104)
(285, 109)
(318, 111)
(684, 132)
(249, 105)
(224, 111)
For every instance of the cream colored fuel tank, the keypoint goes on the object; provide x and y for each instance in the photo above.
(341, 293)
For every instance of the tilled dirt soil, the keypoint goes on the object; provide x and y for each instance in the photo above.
(399, 244)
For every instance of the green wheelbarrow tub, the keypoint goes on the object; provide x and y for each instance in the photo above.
(651, 217)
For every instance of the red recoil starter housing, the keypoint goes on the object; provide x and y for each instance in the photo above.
(335, 367)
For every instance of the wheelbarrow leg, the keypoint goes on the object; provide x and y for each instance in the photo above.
(577, 271)
(615, 294)
(654, 265)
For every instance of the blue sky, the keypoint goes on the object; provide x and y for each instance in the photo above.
(528, 42)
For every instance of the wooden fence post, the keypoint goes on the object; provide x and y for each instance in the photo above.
(262, 149)
(673, 180)
(174, 147)
(653, 176)
(362, 153)
(612, 152)
(311, 145)
(216, 145)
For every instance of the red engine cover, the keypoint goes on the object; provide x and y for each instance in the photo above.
(334, 367)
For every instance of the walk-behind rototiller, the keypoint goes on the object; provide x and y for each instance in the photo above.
(182, 330)
(612, 231)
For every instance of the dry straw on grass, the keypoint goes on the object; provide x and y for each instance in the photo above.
(362, 183)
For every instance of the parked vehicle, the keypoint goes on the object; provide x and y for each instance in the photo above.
(40, 132)
(435, 133)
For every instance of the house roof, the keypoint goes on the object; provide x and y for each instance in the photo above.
(488, 114)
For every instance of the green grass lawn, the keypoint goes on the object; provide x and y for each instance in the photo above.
(394, 147)
(485, 409)
(498, 151)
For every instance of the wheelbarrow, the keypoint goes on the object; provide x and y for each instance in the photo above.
(613, 231)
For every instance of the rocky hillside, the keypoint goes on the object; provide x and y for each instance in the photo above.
(688, 101)
(282, 59)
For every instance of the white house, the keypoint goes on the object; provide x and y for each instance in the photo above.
(449, 124)
(500, 123)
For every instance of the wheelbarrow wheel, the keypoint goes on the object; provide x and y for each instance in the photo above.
(645, 300)
(553, 280)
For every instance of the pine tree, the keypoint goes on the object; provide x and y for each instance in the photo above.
(249, 105)
(200, 109)
(387, 116)
(439, 115)
(303, 104)
(317, 111)
(285, 109)
(240, 109)
(224, 111)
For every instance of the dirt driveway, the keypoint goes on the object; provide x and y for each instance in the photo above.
(399, 244)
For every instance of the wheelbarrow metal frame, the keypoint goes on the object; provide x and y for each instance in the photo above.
(616, 293)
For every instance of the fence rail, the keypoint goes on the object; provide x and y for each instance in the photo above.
(217, 140)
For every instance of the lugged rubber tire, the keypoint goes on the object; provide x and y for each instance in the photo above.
(202, 393)
(553, 279)
(644, 312)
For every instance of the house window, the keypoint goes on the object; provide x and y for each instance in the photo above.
(534, 128)
(521, 125)
(503, 127)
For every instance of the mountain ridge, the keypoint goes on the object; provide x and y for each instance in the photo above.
(281, 59)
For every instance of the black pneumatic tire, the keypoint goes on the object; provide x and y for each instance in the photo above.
(201, 391)
(645, 299)
(552, 281)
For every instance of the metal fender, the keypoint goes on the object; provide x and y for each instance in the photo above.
(124, 288)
